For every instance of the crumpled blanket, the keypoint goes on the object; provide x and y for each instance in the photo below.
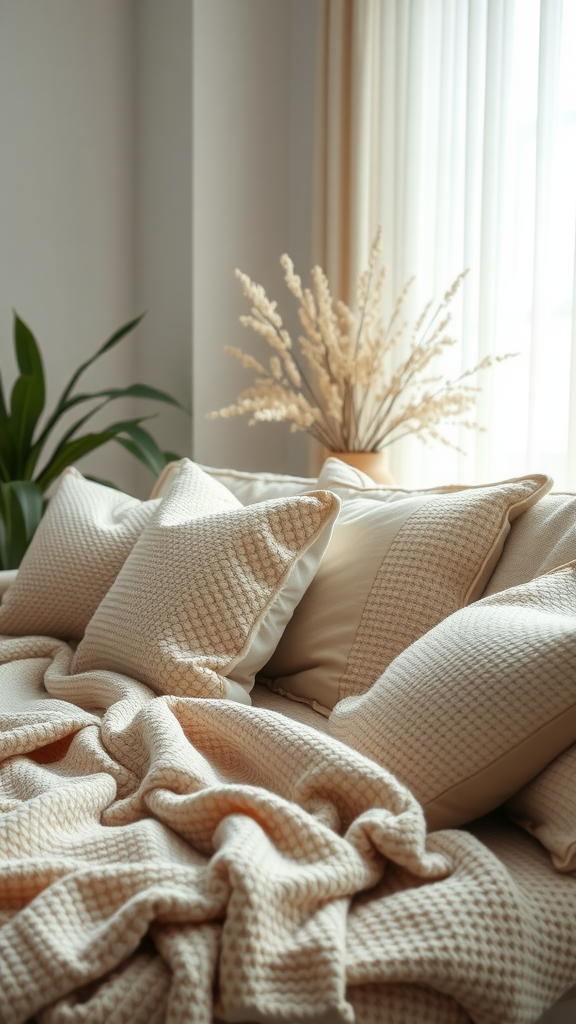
(165, 859)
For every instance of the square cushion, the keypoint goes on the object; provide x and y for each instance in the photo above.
(249, 488)
(546, 808)
(206, 592)
(398, 563)
(82, 542)
(479, 705)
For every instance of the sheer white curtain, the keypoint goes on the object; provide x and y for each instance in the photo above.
(453, 124)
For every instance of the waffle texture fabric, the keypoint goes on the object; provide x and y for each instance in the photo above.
(174, 860)
(397, 564)
(479, 705)
(205, 594)
(81, 544)
(546, 807)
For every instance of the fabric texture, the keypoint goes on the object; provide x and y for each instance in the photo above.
(541, 539)
(249, 488)
(206, 593)
(7, 577)
(546, 807)
(397, 564)
(82, 542)
(418, 128)
(174, 860)
(296, 710)
(479, 705)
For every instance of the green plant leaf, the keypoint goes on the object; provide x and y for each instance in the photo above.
(3, 409)
(141, 444)
(110, 394)
(27, 351)
(65, 402)
(70, 451)
(132, 391)
(36, 450)
(110, 343)
(7, 446)
(26, 405)
(142, 391)
(28, 394)
(31, 501)
(79, 423)
(21, 507)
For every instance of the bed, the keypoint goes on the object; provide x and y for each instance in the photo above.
(181, 843)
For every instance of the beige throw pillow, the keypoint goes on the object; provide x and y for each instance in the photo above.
(7, 577)
(540, 540)
(81, 544)
(206, 593)
(398, 563)
(476, 708)
(546, 807)
(249, 488)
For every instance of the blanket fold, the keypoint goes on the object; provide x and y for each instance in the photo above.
(167, 859)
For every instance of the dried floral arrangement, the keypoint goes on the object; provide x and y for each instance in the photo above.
(344, 386)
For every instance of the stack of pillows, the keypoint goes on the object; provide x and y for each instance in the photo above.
(188, 593)
(361, 601)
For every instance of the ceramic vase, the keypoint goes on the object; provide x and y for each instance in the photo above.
(371, 463)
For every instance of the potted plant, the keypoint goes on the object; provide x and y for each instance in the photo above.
(25, 472)
(344, 382)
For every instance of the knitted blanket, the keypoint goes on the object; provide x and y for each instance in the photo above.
(165, 859)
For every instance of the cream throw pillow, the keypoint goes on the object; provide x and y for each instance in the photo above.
(249, 488)
(7, 577)
(206, 593)
(476, 708)
(540, 540)
(82, 542)
(546, 808)
(398, 563)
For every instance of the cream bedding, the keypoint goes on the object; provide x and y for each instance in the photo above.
(175, 859)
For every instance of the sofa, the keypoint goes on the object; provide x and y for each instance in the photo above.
(281, 749)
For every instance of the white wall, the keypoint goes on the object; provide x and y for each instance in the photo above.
(163, 221)
(253, 103)
(66, 195)
(146, 149)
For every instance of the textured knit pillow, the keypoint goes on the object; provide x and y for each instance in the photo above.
(398, 562)
(7, 577)
(249, 488)
(546, 807)
(81, 544)
(208, 588)
(476, 708)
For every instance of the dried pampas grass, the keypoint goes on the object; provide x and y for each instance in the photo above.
(343, 386)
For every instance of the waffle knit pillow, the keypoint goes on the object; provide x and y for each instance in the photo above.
(398, 563)
(479, 706)
(206, 592)
(82, 542)
(546, 807)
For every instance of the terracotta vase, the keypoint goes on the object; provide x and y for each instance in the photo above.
(371, 463)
